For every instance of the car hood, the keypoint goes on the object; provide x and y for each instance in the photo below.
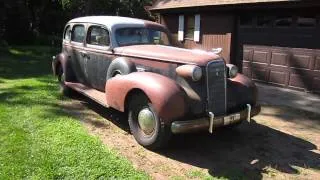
(167, 53)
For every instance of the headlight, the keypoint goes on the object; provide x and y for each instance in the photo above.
(190, 71)
(196, 73)
(232, 70)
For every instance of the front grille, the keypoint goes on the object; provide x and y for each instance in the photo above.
(216, 87)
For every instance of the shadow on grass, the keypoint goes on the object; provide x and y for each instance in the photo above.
(25, 62)
(26, 96)
(245, 152)
(112, 115)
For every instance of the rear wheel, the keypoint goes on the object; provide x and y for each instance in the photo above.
(65, 90)
(145, 125)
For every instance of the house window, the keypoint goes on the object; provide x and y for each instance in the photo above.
(283, 21)
(305, 21)
(189, 27)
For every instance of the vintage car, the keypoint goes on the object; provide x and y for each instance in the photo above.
(131, 65)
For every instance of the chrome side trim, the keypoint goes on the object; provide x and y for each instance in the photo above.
(211, 115)
(249, 113)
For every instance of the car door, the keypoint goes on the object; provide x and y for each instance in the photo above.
(99, 56)
(78, 54)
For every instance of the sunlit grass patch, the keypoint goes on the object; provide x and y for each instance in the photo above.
(38, 140)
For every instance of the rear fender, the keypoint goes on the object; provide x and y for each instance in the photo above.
(165, 95)
(62, 60)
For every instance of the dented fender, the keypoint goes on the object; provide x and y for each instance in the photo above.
(166, 96)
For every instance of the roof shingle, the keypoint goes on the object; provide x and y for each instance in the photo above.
(170, 4)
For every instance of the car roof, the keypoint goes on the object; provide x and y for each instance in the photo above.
(109, 21)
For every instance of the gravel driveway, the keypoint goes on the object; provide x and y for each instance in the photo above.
(280, 143)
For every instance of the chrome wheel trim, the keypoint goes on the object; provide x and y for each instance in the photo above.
(147, 121)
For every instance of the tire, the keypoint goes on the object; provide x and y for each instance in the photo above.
(65, 90)
(120, 66)
(153, 139)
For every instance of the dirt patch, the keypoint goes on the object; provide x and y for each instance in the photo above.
(280, 143)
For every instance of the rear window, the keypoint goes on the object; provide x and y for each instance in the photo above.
(78, 33)
(67, 33)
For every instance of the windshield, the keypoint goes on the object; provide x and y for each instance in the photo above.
(133, 36)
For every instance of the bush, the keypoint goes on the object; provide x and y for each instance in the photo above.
(49, 40)
(3, 44)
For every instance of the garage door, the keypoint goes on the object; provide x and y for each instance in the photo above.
(282, 50)
(288, 67)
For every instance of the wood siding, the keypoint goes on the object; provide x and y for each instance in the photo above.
(215, 32)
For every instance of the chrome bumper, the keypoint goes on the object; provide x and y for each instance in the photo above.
(213, 122)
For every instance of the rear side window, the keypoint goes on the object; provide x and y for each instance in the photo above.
(98, 36)
(67, 33)
(78, 33)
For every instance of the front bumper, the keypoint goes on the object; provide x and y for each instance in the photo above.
(212, 122)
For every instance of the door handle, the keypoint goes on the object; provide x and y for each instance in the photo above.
(83, 53)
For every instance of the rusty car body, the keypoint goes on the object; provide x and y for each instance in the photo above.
(130, 65)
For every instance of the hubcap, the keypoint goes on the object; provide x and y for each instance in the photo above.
(146, 121)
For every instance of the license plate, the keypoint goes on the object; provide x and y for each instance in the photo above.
(231, 118)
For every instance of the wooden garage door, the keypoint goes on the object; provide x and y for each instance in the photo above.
(282, 48)
(289, 67)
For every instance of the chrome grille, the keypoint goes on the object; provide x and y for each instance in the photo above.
(216, 87)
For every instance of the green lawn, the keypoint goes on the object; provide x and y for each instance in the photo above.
(37, 139)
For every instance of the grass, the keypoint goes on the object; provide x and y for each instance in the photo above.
(37, 139)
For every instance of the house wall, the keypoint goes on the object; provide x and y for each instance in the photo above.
(287, 56)
(215, 32)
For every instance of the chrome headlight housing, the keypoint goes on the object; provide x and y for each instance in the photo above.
(196, 73)
(232, 70)
(190, 71)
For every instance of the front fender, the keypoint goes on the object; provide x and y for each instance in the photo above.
(241, 91)
(166, 96)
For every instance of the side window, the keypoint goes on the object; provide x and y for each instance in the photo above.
(67, 33)
(189, 26)
(98, 36)
(78, 33)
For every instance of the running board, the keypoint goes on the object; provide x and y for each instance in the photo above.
(91, 93)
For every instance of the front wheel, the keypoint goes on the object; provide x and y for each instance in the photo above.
(145, 125)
